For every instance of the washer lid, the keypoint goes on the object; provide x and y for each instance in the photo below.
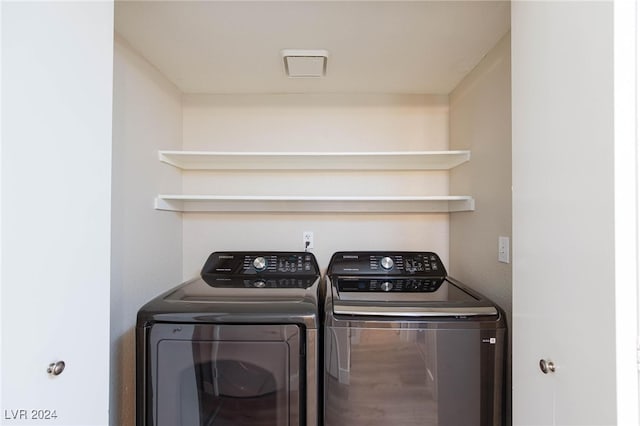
(240, 291)
(198, 302)
(400, 289)
(417, 297)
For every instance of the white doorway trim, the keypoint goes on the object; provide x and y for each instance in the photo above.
(627, 225)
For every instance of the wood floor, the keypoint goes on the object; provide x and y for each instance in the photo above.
(259, 411)
(388, 385)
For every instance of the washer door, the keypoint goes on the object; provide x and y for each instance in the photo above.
(413, 374)
(223, 375)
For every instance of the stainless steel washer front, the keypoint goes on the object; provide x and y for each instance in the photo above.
(406, 345)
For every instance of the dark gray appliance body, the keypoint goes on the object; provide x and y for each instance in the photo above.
(406, 345)
(237, 346)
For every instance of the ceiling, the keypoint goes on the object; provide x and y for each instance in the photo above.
(374, 46)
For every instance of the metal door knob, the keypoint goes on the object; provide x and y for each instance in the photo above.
(56, 368)
(547, 366)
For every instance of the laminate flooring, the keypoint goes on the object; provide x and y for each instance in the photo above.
(259, 411)
(388, 385)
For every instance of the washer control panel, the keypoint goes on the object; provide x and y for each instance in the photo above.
(220, 281)
(261, 263)
(387, 263)
(420, 285)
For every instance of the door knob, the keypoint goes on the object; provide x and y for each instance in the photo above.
(56, 368)
(547, 366)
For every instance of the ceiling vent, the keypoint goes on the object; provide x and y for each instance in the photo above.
(305, 63)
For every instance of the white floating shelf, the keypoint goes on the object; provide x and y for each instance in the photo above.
(402, 160)
(314, 204)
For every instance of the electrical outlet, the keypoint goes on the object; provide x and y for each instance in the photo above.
(307, 239)
(503, 249)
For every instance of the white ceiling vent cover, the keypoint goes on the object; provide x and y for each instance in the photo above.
(305, 63)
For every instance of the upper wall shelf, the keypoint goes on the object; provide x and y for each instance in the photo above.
(403, 160)
(315, 204)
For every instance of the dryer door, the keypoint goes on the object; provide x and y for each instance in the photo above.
(223, 375)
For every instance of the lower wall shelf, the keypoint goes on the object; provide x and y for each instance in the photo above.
(315, 204)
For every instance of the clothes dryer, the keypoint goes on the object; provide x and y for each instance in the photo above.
(236, 346)
(407, 345)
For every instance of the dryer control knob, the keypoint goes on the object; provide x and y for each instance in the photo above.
(260, 263)
(386, 262)
(386, 286)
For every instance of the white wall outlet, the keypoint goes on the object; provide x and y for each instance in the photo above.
(503, 249)
(307, 239)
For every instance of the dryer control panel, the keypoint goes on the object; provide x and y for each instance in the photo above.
(424, 264)
(261, 263)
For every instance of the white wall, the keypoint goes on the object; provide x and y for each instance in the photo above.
(146, 244)
(56, 200)
(328, 122)
(481, 122)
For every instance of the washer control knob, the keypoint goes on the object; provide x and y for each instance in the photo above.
(386, 263)
(386, 286)
(260, 263)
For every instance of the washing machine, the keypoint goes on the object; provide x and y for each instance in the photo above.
(404, 344)
(236, 346)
